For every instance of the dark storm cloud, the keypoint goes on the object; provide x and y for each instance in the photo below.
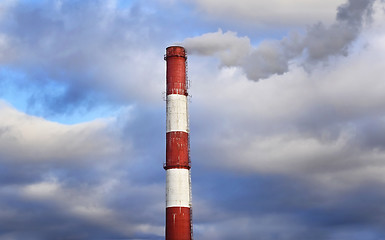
(349, 210)
(56, 189)
(42, 215)
(146, 126)
(45, 220)
(371, 134)
(316, 45)
(290, 206)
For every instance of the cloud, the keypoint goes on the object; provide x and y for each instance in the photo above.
(277, 12)
(302, 151)
(75, 181)
(47, 141)
(94, 51)
(309, 117)
(297, 157)
(317, 45)
(288, 208)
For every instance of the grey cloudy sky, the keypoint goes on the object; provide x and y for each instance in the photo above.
(287, 118)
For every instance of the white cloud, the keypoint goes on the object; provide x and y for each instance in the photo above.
(314, 124)
(90, 203)
(42, 190)
(29, 138)
(317, 45)
(276, 12)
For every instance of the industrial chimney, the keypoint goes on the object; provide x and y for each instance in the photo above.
(177, 166)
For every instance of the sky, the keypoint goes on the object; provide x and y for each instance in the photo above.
(287, 118)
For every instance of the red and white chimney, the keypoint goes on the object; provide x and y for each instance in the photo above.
(177, 166)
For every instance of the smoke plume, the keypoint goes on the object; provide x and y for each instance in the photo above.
(317, 44)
